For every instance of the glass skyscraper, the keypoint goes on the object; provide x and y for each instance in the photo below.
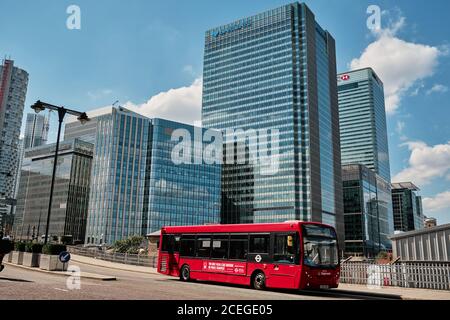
(276, 71)
(180, 194)
(36, 130)
(71, 196)
(362, 119)
(119, 175)
(367, 211)
(136, 187)
(407, 206)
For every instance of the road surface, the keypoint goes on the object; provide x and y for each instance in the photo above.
(20, 283)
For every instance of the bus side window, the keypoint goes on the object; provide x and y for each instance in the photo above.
(187, 246)
(238, 247)
(203, 246)
(259, 243)
(220, 247)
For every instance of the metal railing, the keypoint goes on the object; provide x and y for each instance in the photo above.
(406, 274)
(125, 258)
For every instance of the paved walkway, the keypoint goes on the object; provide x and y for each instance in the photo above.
(112, 265)
(404, 293)
(83, 275)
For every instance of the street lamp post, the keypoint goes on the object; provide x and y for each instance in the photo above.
(83, 118)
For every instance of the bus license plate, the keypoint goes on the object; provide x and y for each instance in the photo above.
(324, 286)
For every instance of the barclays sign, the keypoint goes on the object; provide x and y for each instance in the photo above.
(231, 27)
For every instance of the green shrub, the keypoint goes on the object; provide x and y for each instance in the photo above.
(53, 248)
(19, 246)
(33, 247)
(6, 246)
(129, 245)
(382, 255)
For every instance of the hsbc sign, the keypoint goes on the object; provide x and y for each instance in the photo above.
(345, 77)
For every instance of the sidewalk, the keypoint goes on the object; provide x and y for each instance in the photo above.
(111, 265)
(403, 293)
(83, 275)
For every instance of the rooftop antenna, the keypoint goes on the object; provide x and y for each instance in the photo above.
(115, 102)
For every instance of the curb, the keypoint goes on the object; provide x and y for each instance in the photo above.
(63, 273)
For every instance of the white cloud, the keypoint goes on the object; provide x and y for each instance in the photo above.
(181, 104)
(400, 64)
(438, 203)
(439, 88)
(425, 163)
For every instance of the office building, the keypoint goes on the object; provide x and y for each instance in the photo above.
(181, 194)
(362, 120)
(71, 191)
(407, 206)
(36, 130)
(367, 211)
(13, 89)
(276, 71)
(136, 188)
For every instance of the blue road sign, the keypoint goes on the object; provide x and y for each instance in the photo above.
(64, 257)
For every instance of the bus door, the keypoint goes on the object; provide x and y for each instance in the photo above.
(285, 269)
(169, 254)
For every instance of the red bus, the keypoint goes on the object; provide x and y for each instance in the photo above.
(290, 255)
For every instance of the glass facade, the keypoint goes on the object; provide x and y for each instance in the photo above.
(36, 130)
(119, 176)
(71, 191)
(180, 194)
(362, 119)
(367, 211)
(276, 70)
(407, 206)
(136, 187)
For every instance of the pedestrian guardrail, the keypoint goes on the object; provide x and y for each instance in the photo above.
(406, 274)
(125, 258)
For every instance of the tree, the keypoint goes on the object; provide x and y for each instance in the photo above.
(129, 245)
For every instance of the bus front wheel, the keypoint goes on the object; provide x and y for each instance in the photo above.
(185, 273)
(259, 281)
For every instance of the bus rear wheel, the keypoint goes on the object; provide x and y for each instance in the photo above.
(185, 273)
(259, 281)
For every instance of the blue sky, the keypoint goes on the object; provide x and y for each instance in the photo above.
(148, 55)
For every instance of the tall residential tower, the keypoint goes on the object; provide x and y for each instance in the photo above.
(13, 90)
(277, 71)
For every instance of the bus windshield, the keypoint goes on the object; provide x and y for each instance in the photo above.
(320, 246)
